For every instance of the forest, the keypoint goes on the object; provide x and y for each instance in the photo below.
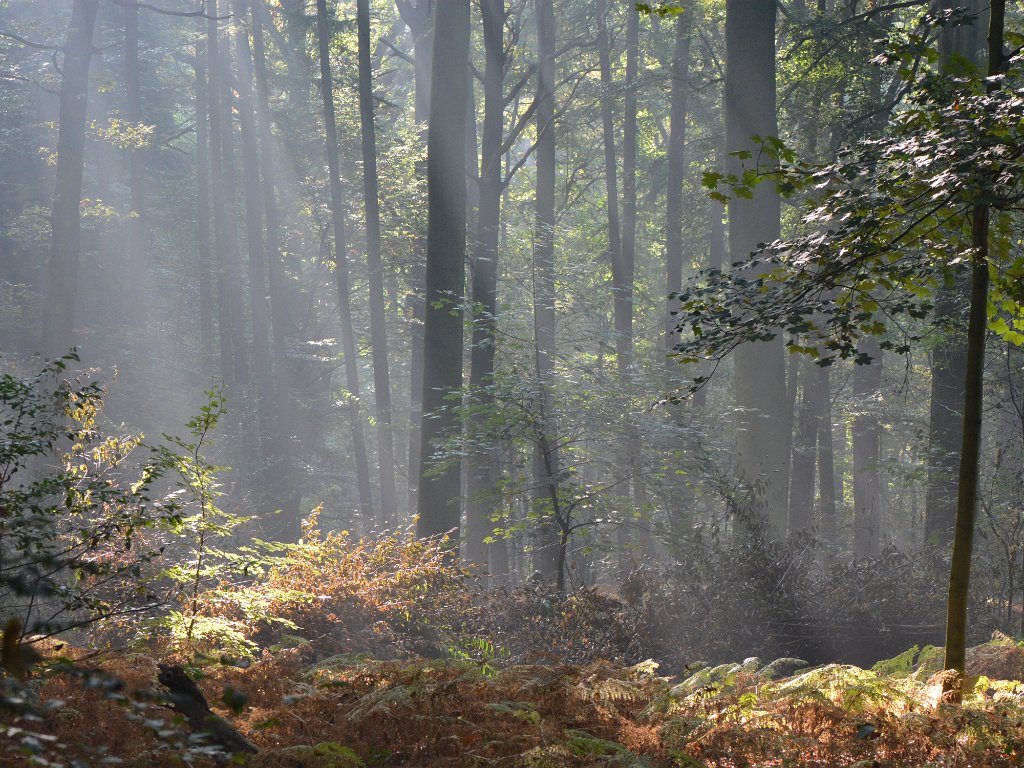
(523, 383)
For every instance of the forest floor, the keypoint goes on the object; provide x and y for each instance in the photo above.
(354, 712)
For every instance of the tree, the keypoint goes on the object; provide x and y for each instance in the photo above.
(341, 269)
(439, 484)
(65, 218)
(378, 321)
(763, 434)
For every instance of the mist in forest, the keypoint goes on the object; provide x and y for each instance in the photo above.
(451, 264)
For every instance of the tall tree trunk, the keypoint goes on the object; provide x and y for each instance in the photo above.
(341, 271)
(867, 491)
(65, 218)
(279, 321)
(970, 449)
(678, 110)
(546, 460)
(822, 383)
(419, 19)
(229, 259)
(481, 497)
(763, 424)
(218, 203)
(378, 321)
(440, 483)
(805, 443)
(138, 251)
(959, 46)
(276, 471)
(205, 245)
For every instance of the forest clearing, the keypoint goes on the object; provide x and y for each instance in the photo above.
(527, 383)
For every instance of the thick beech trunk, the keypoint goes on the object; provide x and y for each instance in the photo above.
(440, 482)
(763, 422)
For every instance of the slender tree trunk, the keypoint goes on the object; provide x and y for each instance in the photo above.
(378, 321)
(419, 19)
(65, 218)
(341, 270)
(826, 458)
(137, 247)
(218, 202)
(970, 450)
(205, 245)
(440, 482)
(678, 110)
(481, 496)
(276, 471)
(959, 45)
(272, 216)
(546, 462)
(867, 494)
(763, 423)
(805, 443)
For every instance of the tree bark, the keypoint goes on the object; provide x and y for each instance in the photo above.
(678, 110)
(440, 482)
(419, 19)
(970, 450)
(481, 497)
(959, 46)
(546, 459)
(763, 424)
(867, 492)
(341, 270)
(137, 248)
(65, 217)
(378, 320)
(205, 246)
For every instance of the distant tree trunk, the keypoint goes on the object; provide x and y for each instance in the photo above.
(218, 202)
(627, 265)
(65, 218)
(276, 469)
(970, 449)
(229, 259)
(341, 271)
(205, 245)
(867, 492)
(805, 443)
(138, 252)
(959, 45)
(546, 459)
(821, 381)
(378, 320)
(419, 19)
(439, 485)
(763, 424)
(481, 496)
(275, 267)
(678, 110)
